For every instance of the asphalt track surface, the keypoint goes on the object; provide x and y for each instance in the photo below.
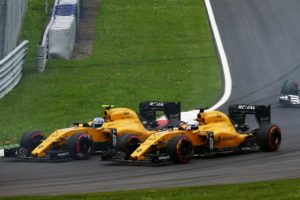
(262, 42)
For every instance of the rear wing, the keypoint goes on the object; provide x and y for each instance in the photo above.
(238, 113)
(148, 111)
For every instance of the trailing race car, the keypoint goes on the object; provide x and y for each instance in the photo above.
(214, 132)
(289, 93)
(80, 141)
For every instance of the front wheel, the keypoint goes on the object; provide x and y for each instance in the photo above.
(81, 146)
(128, 143)
(180, 149)
(268, 137)
(30, 140)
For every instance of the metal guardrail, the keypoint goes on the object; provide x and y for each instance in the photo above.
(12, 14)
(11, 68)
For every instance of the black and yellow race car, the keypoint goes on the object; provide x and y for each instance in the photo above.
(214, 132)
(80, 141)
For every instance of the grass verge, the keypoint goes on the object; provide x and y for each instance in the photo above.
(144, 50)
(269, 190)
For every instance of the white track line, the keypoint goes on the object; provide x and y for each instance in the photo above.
(224, 62)
(191, 115)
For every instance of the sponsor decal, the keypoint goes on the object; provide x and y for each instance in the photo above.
(211, 140)
(265, 118)
(158, 104)
(225, 139)
(114, 140)
(219, 116)
(125, 115)
(246, 107)
(167, 157)
(63, 154)
(174, 115)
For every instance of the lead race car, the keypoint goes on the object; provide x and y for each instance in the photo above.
(214, 133)
(80, 141)
(289, 93)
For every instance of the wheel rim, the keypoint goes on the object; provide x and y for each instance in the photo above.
(84, 147)
(131, 144)
(274, 138)
(184, 150)
(35, 140)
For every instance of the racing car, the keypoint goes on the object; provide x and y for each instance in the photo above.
(80, 141)
(289, 93)
(214, 132)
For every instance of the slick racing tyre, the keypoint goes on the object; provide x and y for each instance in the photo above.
(180, 149)
(30, 140)
(289, 87)
(81, 146)
(268, 137)
(128, 143)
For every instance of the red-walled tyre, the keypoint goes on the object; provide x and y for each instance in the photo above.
(30, 140)
(180, 149)
(268, 137)
(81, 146)
(128, 143)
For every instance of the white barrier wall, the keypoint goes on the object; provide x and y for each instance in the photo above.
(62, 37)
(59, 36)
(11, 68)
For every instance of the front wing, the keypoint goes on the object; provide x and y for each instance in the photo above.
(289, 100)
(20, 154)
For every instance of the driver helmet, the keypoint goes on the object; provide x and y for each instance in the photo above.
(97, 122)
(192, 125)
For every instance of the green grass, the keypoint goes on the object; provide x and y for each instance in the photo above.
(144, 50)
(270, 190)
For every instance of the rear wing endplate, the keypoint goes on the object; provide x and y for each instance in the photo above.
(238, 113)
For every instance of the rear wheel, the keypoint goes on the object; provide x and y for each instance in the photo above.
(128, 143)
(180, 149)
(30, 140)
(268, 137)
(289, 87)
(81, 146)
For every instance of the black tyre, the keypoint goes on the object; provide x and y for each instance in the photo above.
(180, 149)
(289, 87)
(128, 143)
(81, 146)
(268, 137)
(30, 140)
